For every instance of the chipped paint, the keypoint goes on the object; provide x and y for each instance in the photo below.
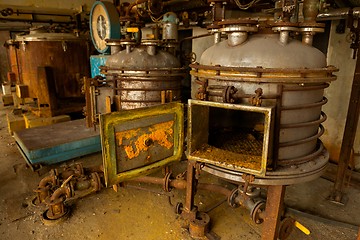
(158, 133)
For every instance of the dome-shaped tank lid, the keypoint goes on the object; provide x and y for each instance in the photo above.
(139, 58)
(264, 50)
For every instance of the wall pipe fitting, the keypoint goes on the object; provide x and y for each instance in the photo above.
(284, 37)
(217, 37)
(307, 38)
(128, 48)
(237, 38)
(151, 50)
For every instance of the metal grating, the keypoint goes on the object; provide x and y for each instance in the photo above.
(241, 141)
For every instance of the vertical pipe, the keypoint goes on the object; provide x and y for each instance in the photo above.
(277, 123)
(307, 38)
(108, 104)
(273, 210)
(217, 37)
(349, 134)
(311, 10)
(163, 97)
(284, 37)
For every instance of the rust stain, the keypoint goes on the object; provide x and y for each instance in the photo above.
(158, 133)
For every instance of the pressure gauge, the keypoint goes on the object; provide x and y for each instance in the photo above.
(104, 24)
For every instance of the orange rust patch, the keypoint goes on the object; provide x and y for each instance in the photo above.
(158, 133)
(228, 159)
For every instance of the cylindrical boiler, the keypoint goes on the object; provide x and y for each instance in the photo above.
(64, 56)
(144, 75)
(274, 70)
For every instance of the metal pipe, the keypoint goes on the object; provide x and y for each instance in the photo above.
(133, 5)
(151, 50)
(49, 179)
(60, 192)
(307, 38)
(128, 49)
(214, 188)
(217, 37)
(147, 179)
(99, 168)
(311, 10)
(304, 140)
(284, 37)
(339, 13)
(300, 160)
(192, 37)
(181, 184)
(237, 38)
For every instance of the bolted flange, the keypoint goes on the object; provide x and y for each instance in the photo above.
(199, 227)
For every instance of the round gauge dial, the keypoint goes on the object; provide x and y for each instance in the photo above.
(101, 27)
(104, 24)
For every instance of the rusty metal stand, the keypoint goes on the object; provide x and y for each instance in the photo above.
(349, 135)
(274, 209)
(198, 221)
(190, 210)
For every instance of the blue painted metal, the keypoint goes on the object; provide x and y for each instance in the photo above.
(170, 17)
(95, 62)
(57, 143)
(112, 17)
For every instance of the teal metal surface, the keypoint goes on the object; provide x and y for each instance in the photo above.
(95, 62)
(57, 143)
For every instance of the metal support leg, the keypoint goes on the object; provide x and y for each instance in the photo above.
(349, 135)
(191, 182)
(273, 211)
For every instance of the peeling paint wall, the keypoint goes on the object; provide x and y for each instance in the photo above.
(338, 94)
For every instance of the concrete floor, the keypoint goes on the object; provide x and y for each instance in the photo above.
(133, 213)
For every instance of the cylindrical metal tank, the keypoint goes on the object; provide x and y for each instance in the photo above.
(66, 54)
(295, 73)
(143, 73)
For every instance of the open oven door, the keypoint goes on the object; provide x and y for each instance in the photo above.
(137, 142)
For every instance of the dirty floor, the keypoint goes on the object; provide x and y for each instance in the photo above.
(146, 212)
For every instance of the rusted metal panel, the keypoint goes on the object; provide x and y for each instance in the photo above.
(136, 142)
(68, 65)
(13, 60)
(46, 92)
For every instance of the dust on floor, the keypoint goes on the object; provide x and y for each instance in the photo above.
(148, 214)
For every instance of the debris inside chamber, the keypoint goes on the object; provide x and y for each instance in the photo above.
(237, 149)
